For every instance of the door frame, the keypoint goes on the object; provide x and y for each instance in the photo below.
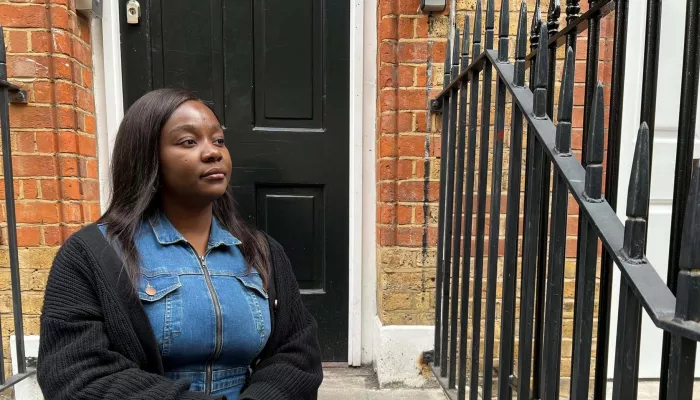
(362, 274)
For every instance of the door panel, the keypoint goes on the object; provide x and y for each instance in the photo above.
(276, 73)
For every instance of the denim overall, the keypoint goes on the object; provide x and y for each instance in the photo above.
(210, 316)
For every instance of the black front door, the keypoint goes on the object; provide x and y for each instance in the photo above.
(276, 73)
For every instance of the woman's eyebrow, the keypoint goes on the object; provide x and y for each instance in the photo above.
(192, 128)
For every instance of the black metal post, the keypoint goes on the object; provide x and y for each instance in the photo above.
(11, 214)
(441, 213)
(468, 209)
(684, 154)
(510, 262)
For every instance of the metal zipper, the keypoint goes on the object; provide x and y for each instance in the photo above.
(219, 324)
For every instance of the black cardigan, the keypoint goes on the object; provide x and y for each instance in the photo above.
(97, 343)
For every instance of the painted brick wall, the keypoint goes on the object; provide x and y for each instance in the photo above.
(410, 65)
(53, 143)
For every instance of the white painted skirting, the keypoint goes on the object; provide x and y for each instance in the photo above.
(398, 350)
(28, 388)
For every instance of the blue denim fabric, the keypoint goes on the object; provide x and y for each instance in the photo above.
(181, 308)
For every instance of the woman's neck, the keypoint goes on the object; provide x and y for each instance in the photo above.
(194, 223)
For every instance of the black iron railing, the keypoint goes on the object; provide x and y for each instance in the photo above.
(10, 93)
(674, 308)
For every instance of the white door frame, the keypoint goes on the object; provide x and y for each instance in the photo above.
(362, 239)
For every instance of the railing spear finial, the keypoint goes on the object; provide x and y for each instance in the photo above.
(553, 14)
(504, 31)
(596, 147)
(521, 47)
(688, 290)
(476, 47)
(638, 198)
(566, 105)
(535, 27)
(465, 43)
(541, 74)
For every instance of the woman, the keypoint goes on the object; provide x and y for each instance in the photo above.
(171, 295)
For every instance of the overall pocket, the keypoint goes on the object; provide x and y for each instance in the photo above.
(258, 302)
(162, 300)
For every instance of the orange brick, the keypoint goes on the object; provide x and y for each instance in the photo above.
(408, 7)
(85, 100)
(413, 99)
(386, 235)
(37, 212)
(49, 189)
(30, 189)
(415, 191)
(17, 42)
(386, 170)
(387, 52)
(65, 118)
(406, 75)
(25, 142)
(68, 166)
(409, 236)
(43, 92)
(405, 122)
(387, 100)
(406, 28)
(95, 212)
(52, 235)
(421, 76)
(71, 212)
(387, 28)
(64, 92)
(413, 52)
(388, 7)
(86, 78)
(61, 18)
(45, 142)
(387, 76)
(90, 190)
(29, 116)
(92, 169)
(70, 189)
(28, 236)
(33, 165)
(61, 42)
(89, 123)
(422, 28)
(412, 146)
(41, 42)
(27, 66)
(84, 32)
(386, 213)
(62, 69)
(23, 16)
(386, 191)
(387, 146)
(87, 145)
(67, 142)
(404, 215)
(405, 169)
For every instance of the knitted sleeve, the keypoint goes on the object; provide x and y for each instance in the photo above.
(293, 370)
(77, 359)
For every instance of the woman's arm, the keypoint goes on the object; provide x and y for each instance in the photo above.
(77, 360)
(293, 369)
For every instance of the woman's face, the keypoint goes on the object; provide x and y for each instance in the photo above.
(195, 165)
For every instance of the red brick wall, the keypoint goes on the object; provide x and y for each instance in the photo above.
(53, 142)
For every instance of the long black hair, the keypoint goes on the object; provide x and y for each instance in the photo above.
(135, 177)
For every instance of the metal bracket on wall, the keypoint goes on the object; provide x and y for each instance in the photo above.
(17, 95)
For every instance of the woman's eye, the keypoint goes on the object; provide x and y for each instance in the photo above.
(188, 142)
(220, 142)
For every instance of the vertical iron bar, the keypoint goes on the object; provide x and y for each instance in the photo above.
(629, 317)
(449, 210)
(611, 182)
(684, 152)
(441, 211)
(510, 262)
(588, 255)
(469, 207)
(532, 221)
(573, 9)
(457, 236)
(11, 215)
(481, 203)
(495, 213)
(683, 351)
